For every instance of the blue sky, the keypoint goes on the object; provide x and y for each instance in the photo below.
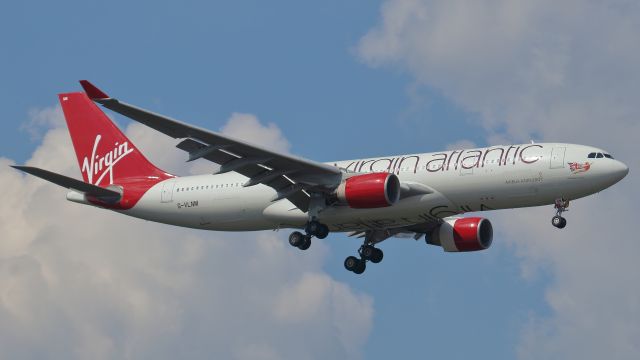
(301, 66)
(290, 62)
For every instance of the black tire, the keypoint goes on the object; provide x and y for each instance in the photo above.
(368, 252)
(306, 243)
(296, 238)
(351, 263)
(313, 227)
(377, 256)
(557, 221)
(362, 266)
(563, 223)
(323, 231)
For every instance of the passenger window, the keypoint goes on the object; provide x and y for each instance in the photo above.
(599, 156)
(592, 155)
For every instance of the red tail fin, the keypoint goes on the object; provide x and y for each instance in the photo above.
(105, 155)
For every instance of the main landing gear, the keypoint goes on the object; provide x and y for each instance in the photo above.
(561, 206)
(313, 228)
(366, 252)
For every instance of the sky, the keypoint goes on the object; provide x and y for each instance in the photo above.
(325, 80)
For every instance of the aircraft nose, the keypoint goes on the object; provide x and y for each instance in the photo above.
(619, 170)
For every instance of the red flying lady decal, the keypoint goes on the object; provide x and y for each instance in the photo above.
(578, 167)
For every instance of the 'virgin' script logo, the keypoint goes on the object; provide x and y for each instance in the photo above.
(100, 166)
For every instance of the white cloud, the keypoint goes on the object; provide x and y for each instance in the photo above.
(42, 119)
(161, 150)
(80, 282)
(247, 127)
(564, 70)
(461, 144)
(555, 71)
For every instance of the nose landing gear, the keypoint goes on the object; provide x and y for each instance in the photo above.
(561, 206)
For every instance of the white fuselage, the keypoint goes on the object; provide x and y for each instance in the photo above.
(460, 181)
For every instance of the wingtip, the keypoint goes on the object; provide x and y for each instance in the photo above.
(21, 167)
(92, 91)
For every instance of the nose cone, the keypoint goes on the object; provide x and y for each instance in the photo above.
(619, 170)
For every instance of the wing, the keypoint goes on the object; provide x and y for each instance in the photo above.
(292, 177)
(374, 236)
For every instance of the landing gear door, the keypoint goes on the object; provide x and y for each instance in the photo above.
(167, 191)
(557, 157)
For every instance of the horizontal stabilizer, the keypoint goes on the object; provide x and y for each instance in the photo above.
(73, 184)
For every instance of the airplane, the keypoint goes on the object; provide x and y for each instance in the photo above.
(253, 188)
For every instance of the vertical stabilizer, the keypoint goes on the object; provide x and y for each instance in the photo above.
(105, 155)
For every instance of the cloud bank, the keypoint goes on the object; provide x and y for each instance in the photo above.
(552, 71)
(80, 282)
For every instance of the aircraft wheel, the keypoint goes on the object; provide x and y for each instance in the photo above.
(296, 238)
(559, 222)
(367, 252)
(313, 227)
(354, 264)
(305, 243)
(322, 232)
(377, 256)
(563, 223)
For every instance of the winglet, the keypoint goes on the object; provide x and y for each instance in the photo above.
(92, 91)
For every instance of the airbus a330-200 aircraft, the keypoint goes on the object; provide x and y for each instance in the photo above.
(419, 195)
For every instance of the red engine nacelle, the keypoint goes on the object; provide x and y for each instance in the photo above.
(369, 190)
(463, 234)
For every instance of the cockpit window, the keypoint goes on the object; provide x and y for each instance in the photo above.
(599, 155)
(592, 155)
(608, 156)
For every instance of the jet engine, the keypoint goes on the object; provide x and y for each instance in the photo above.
(368, 191)
(462, 234)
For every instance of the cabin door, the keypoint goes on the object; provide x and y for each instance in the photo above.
(167, 191)
(557, 157)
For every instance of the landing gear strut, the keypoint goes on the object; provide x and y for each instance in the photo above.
(561, 206)
(313, 228)
(367, 252)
